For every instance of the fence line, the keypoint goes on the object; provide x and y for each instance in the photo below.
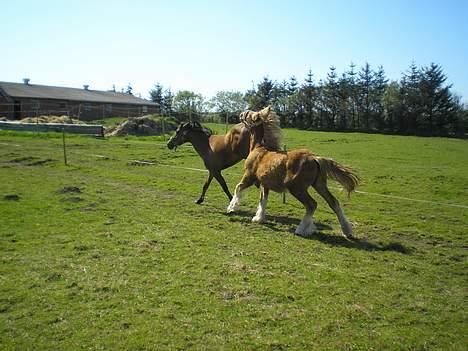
(394, 197)
(336, 188)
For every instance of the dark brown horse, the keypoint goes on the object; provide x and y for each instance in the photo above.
(294, 171)
(217, 151)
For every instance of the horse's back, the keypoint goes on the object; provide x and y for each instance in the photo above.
(237, 140)
(230, 148)
(269, 167)
(279, 170)
(301, 167)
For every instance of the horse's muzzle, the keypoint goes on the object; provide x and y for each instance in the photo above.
(170, 145)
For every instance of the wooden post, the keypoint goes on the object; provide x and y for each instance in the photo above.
(227, 120)
(79, 112)
(64, 147)
(284, 194)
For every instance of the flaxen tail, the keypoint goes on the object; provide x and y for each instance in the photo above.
(342, 174)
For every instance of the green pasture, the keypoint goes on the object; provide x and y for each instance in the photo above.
(106, 253)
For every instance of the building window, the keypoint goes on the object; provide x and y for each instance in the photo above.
(108, 108)
(87, 107)
(144, 109)
(62, 105)
(35, 104)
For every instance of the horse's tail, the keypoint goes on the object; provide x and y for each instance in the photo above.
(341, 173)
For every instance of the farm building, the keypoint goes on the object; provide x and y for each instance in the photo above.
(19, 100)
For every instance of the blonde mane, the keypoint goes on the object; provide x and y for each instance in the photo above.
(272, 133)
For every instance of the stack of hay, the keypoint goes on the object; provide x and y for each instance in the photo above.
(51, 119)
(141, 126)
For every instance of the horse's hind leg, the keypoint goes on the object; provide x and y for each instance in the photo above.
(321, 187)
(307, 226)
(246, 181)
(205, 188)
(223, 184)
(260, 215)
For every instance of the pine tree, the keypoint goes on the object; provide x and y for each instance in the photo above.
(129, 89)
(307, 118)
(262, 97)
(437, 105)
(331, 98)
(353, 94)
(294, 107)
(378, 91)
(343, 102)
(392, 107)
(365, 100)
(410, 99)
(292, 85)
(156, 95)
(168, 100)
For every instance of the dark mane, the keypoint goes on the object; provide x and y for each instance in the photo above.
(207, 131)
(197, 127)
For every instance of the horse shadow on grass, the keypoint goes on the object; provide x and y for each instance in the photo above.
(277, 223)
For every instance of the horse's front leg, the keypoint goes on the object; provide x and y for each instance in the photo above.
(205, 188)
(247, 180)
(223, 184)
(261, 209)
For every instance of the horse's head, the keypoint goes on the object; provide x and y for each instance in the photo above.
(182, 134)
(264, 127)
(253, 119)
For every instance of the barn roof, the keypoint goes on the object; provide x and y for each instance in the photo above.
(36, 91)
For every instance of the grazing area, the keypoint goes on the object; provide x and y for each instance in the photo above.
(111, 251)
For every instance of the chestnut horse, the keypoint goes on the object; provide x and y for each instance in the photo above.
(217, 151)
(294, 171)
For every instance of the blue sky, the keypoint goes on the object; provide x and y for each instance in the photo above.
(206, 46)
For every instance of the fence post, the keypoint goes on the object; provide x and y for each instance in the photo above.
(64, 147)
(284, 194)
(227, 120)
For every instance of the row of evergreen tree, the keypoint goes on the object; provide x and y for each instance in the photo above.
(421, 102)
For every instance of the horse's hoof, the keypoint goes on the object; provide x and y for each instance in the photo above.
(347, 230)
(232, 208)
(258, 219)
(199, 201)
(305, 232)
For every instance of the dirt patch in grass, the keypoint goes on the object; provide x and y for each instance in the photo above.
(31, 161)
(11, 197)
(73, 199)
(69, 189)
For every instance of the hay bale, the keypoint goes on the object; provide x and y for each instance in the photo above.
(51, 119)
(139, 126)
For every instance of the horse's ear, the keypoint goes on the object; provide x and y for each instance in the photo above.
(266, 111)
(197, 124)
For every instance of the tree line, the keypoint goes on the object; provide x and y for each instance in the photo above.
(420, 103)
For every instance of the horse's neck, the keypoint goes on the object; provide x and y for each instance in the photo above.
(201, 144)
(256, 137)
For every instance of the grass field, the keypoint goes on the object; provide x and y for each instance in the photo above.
(106, 254)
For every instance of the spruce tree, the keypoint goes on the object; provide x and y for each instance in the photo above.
(437, 105)
(331, 98)
(168, 99)
(263, 96)
(307, 118)
(156, 95)
(378, 90)
(353, 94)
(410, 99)
(365, 100)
